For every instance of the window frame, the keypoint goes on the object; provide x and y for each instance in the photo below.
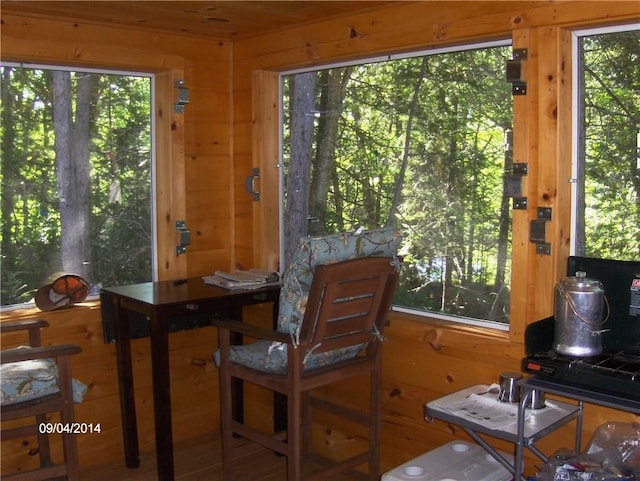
(473, 45)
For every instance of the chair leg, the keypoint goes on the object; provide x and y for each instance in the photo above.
(70, 446)
(307, 433)
(44, 452)
(227, 435)
(293, 436)
(375, 426)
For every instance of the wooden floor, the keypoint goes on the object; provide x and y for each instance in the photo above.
(200, 460)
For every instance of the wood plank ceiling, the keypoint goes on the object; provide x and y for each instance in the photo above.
(228, 20)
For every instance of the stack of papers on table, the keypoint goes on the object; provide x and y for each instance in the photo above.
(243, 279)
(484, 410)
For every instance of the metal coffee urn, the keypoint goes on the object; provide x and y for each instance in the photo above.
(579, 307)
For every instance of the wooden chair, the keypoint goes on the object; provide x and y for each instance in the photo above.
(36, 381)
(339, 338)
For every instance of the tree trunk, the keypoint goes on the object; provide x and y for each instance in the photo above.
(72, 165)
(399, 183)
(334, 83)
(8, 170)
(503, 232)
(299, 171)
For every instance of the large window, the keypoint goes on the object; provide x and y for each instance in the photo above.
(607, 175)
(420, 142)
(76, 178)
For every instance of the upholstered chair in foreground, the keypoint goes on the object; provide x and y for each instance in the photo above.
(35, 384)
(333, 307)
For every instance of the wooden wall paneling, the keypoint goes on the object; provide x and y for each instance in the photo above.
(425, 359)
(226, 137)
(423, 363)
(561, 220)
(255, 126)
(206, 130)
(414, 26)
(211, 136)
(208, 203)
(242, 222)
(397, 29)
(76, 44)
(214, 170)
(548, 161)
(266, 156)
(243, 216)
(208, 234)
(169, 176)
(524, 151)
(207, 262)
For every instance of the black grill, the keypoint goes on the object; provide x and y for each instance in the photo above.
(609, 372)
(617, 369)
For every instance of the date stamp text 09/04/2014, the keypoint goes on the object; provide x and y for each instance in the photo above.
(69, 428)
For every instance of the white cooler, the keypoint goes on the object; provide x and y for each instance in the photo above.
(455, 461)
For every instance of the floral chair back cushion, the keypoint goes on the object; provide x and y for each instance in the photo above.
(329, 249)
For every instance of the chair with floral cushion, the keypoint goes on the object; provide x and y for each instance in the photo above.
(333, 306)
(35, 382)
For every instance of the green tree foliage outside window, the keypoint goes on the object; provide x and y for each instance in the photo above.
(76, 178)
(421, 143)
(608, 210)
(424, 143)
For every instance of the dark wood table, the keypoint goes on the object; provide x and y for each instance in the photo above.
(160, 302)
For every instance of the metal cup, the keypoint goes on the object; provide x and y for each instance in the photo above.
(536, 399)
(509, 390)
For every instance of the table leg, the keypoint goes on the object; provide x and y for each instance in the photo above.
(237, 408)
(125, 384)
(162, 395)
(492, 451)
(519, 459)
(579, 426)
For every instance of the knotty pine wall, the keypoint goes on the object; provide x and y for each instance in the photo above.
(230, 126)
(426, 358)
(193, 150)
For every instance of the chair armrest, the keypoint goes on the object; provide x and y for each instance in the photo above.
(250, 330)
(22, 325)
(28, 353)
(31, 325)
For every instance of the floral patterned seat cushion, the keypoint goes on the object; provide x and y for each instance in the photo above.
(26, 380)
(272, 357)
